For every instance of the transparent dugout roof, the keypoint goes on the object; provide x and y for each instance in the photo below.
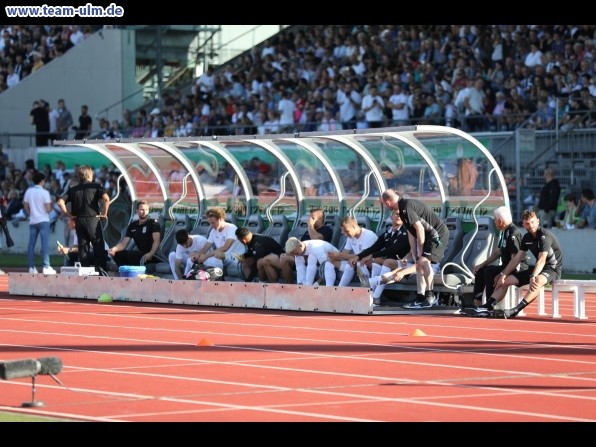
(342, 172)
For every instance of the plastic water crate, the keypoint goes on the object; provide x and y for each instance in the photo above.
(77, 270)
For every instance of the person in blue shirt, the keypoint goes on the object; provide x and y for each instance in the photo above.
(586, 210)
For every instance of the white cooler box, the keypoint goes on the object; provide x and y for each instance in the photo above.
(77, 270)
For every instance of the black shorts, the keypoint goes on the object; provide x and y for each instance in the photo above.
(524, 277)
(432, 252)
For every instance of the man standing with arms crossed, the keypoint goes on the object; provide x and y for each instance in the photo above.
(428, 235)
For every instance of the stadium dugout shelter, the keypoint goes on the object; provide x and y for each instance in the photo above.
(276, 179)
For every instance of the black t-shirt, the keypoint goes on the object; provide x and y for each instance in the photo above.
(549, 196)
(259, 247)
(390, 245)
(412, 211)
(544, 241)
(41, 119)
(142, 234)
(510, 244)
(325, 230)
(84, 126)
(85, 199)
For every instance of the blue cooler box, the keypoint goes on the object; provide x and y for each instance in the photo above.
(131, 271)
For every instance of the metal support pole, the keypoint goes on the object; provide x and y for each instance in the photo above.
(33, 402)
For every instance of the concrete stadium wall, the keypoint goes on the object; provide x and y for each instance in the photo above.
(578, 246)
(99, 72)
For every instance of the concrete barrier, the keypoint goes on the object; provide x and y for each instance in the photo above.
(578, 248)
(20, 236)
(346, 300)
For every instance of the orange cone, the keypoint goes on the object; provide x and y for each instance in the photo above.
(205, 342)
(417, 333)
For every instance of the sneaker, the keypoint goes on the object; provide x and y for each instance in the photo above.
(430, 297)
(417, 304)
(475, 312)
(362, 277)
(48, 271)
(497, 313)
(414, 305)
(429, 302)
(33, 270)
(510, 313)
(2, 272)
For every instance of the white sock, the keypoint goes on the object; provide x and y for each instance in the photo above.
(365, 271)
(378, 290)
(172, 262)
(374, 281)
(330, 275)
(376, 269)
(347, 276)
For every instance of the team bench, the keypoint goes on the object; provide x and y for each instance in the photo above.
(579, 288)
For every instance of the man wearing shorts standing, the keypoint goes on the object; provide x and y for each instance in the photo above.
(428, 236)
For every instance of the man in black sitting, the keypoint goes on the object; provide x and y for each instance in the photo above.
(261, 257)
(146, 233)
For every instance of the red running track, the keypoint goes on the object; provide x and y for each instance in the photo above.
(140, 362)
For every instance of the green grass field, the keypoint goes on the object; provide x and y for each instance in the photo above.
(20, 261)
(17, 417)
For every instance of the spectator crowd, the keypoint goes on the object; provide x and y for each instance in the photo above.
(476, 78)
(308, 78)
(24, 49)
